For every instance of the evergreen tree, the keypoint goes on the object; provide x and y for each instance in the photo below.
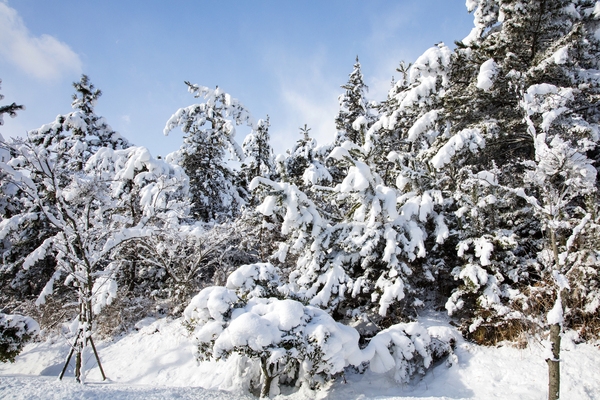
(80, 133)
(304, 164)
(354, 116)
(258, 153)
(209, 129)
(522, 97)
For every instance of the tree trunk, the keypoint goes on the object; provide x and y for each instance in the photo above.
(78, 362)
(554, 364)
(266, 389)
(555, 330)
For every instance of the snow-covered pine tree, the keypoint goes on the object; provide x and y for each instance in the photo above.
(354, 116)
(258, 151)
(258, 154)
(209, 132)
(351, 258)
(304, 164)
(524, 94)
(81, 132)
(397, 149)
(360, 270)
(15, 332)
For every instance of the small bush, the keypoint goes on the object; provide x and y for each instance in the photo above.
(15, 331)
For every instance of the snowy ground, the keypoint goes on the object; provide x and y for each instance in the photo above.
(157, 362)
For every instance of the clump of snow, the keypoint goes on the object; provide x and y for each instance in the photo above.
(104, 291)
(555, 315)
(359, 177)
(422, 124)
(561, 56)
(38, 253)
(403, 348)
(207, 312)
(339, 153)
(48, 288)
(483, 250)
(316, 173)
(267, 206)
(561, 281)
(391, 293)
(487, 72)
(441, 229)
(254, 280)
(426, 86)
(467, 137)
(596, 11)
(487, 178)
(474, 274)
(359, 123)
(471, 5)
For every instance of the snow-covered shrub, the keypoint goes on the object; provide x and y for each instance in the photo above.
(15, 331)
(403, 348)
(292, 343)
(255, 280)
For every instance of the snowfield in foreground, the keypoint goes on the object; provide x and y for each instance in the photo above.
(158, 362)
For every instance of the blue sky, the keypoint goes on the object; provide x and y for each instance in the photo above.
(283, 58)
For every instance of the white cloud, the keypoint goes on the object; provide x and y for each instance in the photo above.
(317, 112)
(308, 96)
(388, 44)
(44, 57)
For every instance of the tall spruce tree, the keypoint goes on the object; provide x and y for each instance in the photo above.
(258, 153)
(209, 130)
(523, 95)
(354, 116)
